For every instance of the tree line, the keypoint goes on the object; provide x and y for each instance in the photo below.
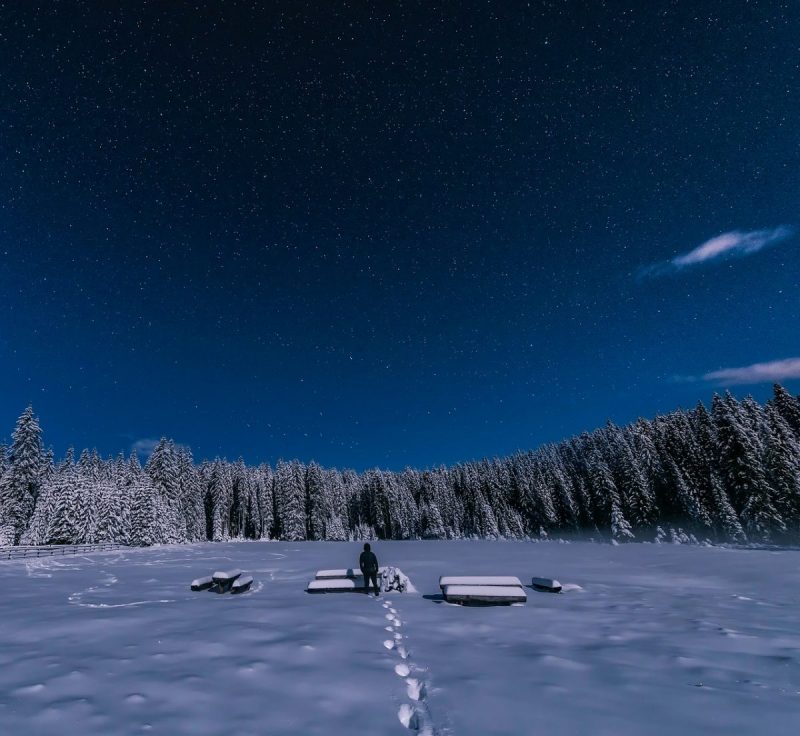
(728, 474)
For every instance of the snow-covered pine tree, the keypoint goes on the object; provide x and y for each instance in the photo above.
(316, 502)
(782, 461)
(162, 467)
(534, 492)
(607, 498)
(743, 471)
(787, 406)
(192, 501)
(266, 502)
(620, 528)
(113, 513)
(693, 509)
(219, 493)
(630, 479)
(74, 516)
(19, 485)
(726, 517)
(431, 523)
(145, 526)
(291, 500)
(563, 492)
(336, 521)
(334, 529)
(37, 531)
(240, 499)
(252, 511)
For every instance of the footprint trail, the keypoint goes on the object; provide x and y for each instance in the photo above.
(415, 715)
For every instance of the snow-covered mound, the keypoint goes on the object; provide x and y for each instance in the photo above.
(655, 639)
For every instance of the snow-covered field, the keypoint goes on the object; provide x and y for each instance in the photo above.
(656, 640)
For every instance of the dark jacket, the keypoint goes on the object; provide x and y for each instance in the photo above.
(368, 562)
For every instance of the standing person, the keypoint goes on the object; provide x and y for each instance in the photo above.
(369, 568)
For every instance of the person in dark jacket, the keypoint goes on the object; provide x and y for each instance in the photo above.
(369, 568)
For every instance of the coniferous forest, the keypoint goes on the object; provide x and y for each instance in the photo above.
(728, 474)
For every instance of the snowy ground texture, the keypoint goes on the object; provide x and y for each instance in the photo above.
(657, 639)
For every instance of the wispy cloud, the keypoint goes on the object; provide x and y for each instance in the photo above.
(144, 446)
(728, 245)
(776, 371)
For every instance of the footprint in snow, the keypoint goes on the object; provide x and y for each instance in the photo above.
(414, 719)
(402, 670)
(415, 689)
(408, 716)
(389, 644)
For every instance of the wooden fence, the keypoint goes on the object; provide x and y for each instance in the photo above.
(48, 550)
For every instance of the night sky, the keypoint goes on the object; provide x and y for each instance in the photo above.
(392, 233)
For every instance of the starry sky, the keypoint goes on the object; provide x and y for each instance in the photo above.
(392, 233)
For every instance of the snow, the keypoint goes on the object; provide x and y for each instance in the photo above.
(657, 639)
(486, 593)
(504, 580)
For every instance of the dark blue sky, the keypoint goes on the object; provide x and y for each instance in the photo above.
(392, 233)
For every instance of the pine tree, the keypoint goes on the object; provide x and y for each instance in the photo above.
(726, 516)
(743, 470)
(240, 499)
(191, 493)
(218, 501)
(21, 480)
(620, 528)
(316, 502)
(788, 407)
(162, 467)
(37, 531)
(266, 502)
(290, 497)
(74, 516)
(145, 529)
(113, 513)
(782, 461)
(431, 522)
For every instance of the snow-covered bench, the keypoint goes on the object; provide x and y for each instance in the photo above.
(242, 584)
(202, 583)
(349, 579)
(484, 594)
(224, 579)
(336, 585)
(546, 585)
(482, 580)
(348, 572)
(500, 589)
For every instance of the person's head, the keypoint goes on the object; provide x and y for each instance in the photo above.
(366, 547)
